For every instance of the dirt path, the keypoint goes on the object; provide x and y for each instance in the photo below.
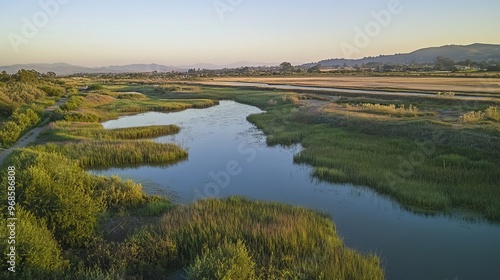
(31, 135)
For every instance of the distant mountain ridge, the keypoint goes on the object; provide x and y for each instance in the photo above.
(475, 52)
(68, 69)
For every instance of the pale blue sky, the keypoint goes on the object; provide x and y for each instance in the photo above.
(180, 32)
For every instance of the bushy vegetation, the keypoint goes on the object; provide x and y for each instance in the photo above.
(134, 96)
(117, 195)
(95, 87)
(38, 254)
(73, 103)
(66, 204)
(21, 120)
(52, 90)
(57, 190)
(23, 96)
(227, 261)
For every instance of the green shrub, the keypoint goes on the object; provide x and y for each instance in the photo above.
(116, 194)
(25, 119)
(227, 261)
(81, 117)
(147, 256)
(7, 109)
(37, 252)
(133, 96)
(9, 134)
(73, 103)
(52, 91)
(58, 190)
(96, 87)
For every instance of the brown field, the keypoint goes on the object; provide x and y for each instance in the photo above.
(489, 85)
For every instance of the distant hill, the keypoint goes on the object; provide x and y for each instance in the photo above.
(474, 52)
(68, 69)
(58, 68)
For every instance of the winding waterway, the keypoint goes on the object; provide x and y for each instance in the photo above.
(229, 156)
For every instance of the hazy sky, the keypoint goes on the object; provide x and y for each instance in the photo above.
(180, 32)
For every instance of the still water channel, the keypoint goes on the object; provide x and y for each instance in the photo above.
(229, 156)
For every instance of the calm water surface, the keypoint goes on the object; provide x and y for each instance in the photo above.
(229, 156)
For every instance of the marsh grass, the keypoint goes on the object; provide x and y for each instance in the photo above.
(390, 109)
(63, 131)
(107, 153)
(121, 107)
(284, 242)
(133, 96)
(94, 107)
(437, 183)
(471, 117)
(154, 208)
(461, 173)
(492, 113)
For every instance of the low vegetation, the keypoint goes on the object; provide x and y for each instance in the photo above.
(492, 113)
(135, 96)
(424, 157)
(425, 164)
(390, 109)
(95, 107)
(23, 97)
(241, 239)
(227, 261)
(107, 153)
(68, 210)
(21, 120)
(64, 131)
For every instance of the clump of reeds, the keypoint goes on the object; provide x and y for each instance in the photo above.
(112, 153)
(390, 109)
